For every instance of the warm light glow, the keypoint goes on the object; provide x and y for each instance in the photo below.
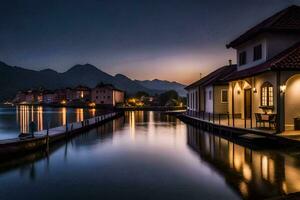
(247, 172)
(63, 102)
(132, 125)
(131, 100)
(81, 94)
(92, 104)
(79, 114)
(39, 118)
(244, 189)
(93, 112)
(264, 167)
(284, 187)
(64, 116)
(282, 88)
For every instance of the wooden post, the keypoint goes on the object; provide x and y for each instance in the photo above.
(232, 104)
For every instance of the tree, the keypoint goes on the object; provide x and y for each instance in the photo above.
(140, 94)
(169, 96)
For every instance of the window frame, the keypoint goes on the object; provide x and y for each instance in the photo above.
(259, 48)
(224, 90)
(267, 100)
(242, 58)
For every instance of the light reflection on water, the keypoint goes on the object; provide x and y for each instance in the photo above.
(15, 120)
(146, 155)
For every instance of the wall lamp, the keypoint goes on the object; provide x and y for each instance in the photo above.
(254, 90)
(282, 88)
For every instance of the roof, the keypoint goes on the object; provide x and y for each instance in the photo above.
(287, 20)
(288, 59)
(111, 86)
(214, 77)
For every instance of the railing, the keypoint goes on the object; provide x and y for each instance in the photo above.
(227, 119)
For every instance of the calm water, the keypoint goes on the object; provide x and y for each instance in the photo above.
(15, 120)
(146, 155)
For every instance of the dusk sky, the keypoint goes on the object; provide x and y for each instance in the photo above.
(167, 39)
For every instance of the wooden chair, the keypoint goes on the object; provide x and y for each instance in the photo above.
(258, 119)
(272, 120)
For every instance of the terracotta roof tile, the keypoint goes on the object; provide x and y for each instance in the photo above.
(214, 77)
(285, 20)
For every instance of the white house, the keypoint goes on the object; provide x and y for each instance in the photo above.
(210, 94)
(267, 80)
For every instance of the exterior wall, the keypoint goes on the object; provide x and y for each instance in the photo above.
(272, 44)
(256, 97)
(209, 104)
(202, 99)
(292, 96)
(49, 98)
(102, 96)
(118, 97)
(248, 47)
(252, 82)
(219, 106)
(193, 100)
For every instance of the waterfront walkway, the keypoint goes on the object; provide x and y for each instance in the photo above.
(46, 137)
(243, 129)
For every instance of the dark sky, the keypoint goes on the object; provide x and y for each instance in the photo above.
(165, 39)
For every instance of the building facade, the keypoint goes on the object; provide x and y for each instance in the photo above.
(267, 79)
(107, 95)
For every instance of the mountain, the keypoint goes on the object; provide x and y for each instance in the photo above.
(163, 86)
(14, 78)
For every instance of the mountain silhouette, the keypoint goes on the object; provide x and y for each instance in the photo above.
(13, 79)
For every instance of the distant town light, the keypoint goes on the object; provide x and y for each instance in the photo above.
(63, 102)
(92, 104)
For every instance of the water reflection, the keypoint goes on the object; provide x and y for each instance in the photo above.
(162, 153)
(51, 117)
(253, 174)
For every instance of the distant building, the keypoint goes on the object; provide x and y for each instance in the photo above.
(107, 94)
(20, 97)
(49, 97)
(61, 96)
(81, 93)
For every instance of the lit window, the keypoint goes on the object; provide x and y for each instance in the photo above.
(267, 94)
(224, 96)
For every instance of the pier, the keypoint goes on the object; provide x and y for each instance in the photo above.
(248, 137)
(44, 138)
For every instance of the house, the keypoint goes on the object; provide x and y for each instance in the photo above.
(267, 79)
(82, 93)
(107, 95)
(61, 96)
(49, 97)
(210, 93)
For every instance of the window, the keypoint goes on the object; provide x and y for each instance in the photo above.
(224, 96)
(243, 58)
(257, 52)
(267, 94)
(209, 95)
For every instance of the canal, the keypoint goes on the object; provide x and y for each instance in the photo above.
(144, 155)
